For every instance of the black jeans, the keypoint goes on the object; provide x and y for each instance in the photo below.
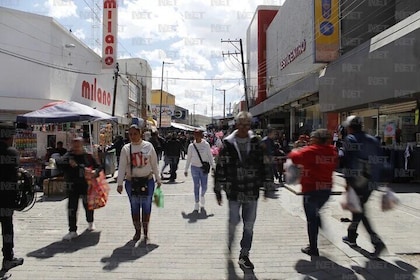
(173, 164)
(73, 205)
(6, 219)
(312, 203)
(363, 195)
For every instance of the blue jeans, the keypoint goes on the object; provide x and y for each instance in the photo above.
(141, 202)
(200, 180)
(249, 215)
(312, 203)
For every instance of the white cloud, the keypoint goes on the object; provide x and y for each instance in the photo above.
(59, 9)
(187, 33)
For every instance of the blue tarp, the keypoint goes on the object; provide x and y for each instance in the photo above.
(66, 111)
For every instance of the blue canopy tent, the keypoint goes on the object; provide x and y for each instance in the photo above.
(65, 111)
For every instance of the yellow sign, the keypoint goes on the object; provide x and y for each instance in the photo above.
(327, 33)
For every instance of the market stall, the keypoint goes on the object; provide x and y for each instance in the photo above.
(55, 114)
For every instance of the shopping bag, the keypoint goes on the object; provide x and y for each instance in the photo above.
(350, 201)
(291, 172)
(98, 191)
(389, 200)
(158, 197)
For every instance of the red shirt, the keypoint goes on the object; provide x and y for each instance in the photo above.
(319, 163)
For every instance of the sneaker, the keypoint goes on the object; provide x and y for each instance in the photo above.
(349, 242)
(91, 227)
(196, 206)
(71, 235)
(203, 201)
(9, 264)
(245, 262)
(310, 252)
(378, 250)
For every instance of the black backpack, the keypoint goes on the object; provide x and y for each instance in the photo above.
(25, 195)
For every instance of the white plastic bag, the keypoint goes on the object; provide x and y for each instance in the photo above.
(291, 172)
(389, 200)
(351, 201)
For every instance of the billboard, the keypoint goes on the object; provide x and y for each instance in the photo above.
(326, 21)
(109, 34)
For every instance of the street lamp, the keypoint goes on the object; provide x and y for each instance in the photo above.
(161, 94)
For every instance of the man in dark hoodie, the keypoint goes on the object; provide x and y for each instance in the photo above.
(9, 165)
(241, 172)
(74, 164)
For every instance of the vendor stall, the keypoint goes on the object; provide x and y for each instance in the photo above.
(56, 113)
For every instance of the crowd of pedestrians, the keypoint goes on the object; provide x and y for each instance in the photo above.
(246, 163)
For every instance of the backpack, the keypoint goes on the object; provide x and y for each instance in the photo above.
(25, 195)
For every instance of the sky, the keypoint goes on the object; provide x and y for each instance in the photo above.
(189, 36)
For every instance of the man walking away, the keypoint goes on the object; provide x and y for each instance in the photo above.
(362, 169)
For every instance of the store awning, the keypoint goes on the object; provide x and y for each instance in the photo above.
(185, 127)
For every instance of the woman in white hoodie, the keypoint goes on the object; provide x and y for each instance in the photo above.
(199, 147)
(138, 160)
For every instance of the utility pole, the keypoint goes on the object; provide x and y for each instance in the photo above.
(224, 102)
(161, 94)
(116, 74)
(241, 52)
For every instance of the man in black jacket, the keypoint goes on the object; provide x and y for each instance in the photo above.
(9, 165)
(241, 172)
(74, 164)
(172, 153)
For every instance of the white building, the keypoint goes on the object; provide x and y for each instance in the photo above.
(43, 62)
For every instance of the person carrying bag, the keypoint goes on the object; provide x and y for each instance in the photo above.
(199, 168)
(139, 170)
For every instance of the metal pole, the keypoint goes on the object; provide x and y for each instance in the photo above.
(116, 71)
(224, 102)
(161, 89)
(161, 94)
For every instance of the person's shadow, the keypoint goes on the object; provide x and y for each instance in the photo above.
(196, 215)
(128, 252)
(381, 269)
(320, 264)
(84, 240)
(231, 273)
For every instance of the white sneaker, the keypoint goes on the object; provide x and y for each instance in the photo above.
(71, 235)
(91, 227)
(203, 201)
(196, 206)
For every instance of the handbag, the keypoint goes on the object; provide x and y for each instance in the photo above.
(204, 164)
(139, 185)
(98, 190)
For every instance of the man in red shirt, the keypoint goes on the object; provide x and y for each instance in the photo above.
(318, 161)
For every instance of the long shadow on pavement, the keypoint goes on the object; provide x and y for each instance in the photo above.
(128, 252)
(195, 215)
(231, 273)
(381, 269)
(322, 268)
(84, 240)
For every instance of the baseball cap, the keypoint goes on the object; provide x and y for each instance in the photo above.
(321, 133)
(352, 121)
(7, 130)
(135, 126)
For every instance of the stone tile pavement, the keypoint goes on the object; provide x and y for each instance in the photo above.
(187, 245)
